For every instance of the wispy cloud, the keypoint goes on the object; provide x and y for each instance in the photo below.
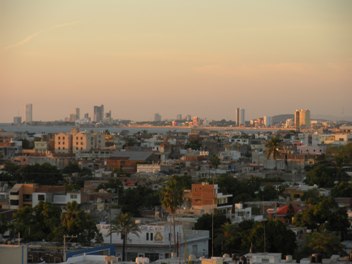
(30, 37)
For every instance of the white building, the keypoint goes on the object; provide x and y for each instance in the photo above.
(55, 198)
(156, 241)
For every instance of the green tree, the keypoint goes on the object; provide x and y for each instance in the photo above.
(236, 237)
(124, 225)
(322, 174)
(311, 196)
(171, 199)
(41, 174)
(214, 161)
(38, 223)
(342, 189)
(213, 222)
(75, 222)
(325, 243)
(326, 215)
(136, 199)
(194, 144)
(272, 236)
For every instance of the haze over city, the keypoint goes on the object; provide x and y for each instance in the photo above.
(199, 57)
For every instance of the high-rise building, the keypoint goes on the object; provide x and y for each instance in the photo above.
(157, 117)
(302, 118)
(98, 113)
(240, 117)
(29, 113)
(267, 121)
(179, 117)
(78, 114)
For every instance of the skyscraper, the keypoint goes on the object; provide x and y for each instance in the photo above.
(302, 118)
(78, 114)
(240, 117)
(29, 113)
(267, 121)
(98, 113)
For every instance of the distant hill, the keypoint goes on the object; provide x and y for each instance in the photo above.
(277, 119)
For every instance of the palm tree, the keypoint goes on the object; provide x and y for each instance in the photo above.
(272, 148)
(124, 225)
(171, 199)
(70, 218)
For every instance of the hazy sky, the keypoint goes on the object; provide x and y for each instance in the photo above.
(198, 57)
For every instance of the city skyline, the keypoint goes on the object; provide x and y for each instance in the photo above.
(203, 58)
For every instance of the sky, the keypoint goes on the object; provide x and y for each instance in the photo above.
(199, 57)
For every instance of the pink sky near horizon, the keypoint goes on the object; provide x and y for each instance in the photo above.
(198, 57)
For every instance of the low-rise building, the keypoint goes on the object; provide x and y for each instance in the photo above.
(156, 241)
(206, 198)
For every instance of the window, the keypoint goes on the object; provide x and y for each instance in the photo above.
(147, 236)
(151, 236)
(73, 196)
(14, 202)
(27, 197)
(41, 197)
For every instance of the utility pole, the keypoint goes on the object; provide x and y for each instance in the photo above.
(66, 236)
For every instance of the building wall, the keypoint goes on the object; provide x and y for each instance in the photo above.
(203, 194)
(157, 240)
(63, 143)
(148, 168)
(40, 146)
(13, 254)
(21, 195)
(123, 164)
(81, 142)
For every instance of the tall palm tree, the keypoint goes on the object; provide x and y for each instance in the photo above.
(124, 224)
(171, 199)
(272, 148)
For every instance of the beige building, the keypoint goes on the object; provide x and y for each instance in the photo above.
(78, 141)
(81, 142)
(86, 141)
(63, 143)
